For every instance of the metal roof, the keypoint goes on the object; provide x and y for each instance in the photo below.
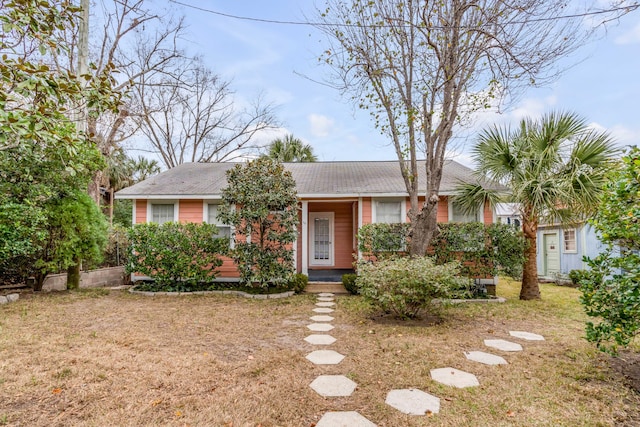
(317, 179)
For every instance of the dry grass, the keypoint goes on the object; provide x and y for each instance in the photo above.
(99, 358)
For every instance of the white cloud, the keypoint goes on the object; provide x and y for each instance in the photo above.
(321, 126)
(630, 37)
(621, 135)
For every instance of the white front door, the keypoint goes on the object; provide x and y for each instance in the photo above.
(321, 239)
(551, 254)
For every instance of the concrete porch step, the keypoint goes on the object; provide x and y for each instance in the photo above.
(318, 287)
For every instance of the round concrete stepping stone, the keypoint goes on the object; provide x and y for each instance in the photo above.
(325, 299)
(321, 318)
(317, 339)
(412, 401)
(326, 294)
(333, 386)
(486, 358)
(325, 357)
(454, 377)
(323, 310)
(320, 327)
(503, 345)
(325, 304)
(344, 419)
(526, 335)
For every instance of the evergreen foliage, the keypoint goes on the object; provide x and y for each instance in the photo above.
(611, 288)
(260, 202)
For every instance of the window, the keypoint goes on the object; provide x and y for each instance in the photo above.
(161, 213)
(212, 218)
(457, 214)
(388, 212)
(570, 240)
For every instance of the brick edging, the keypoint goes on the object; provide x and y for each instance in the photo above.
(237, 293)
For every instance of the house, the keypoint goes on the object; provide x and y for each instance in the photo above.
(508, 213)
(562, 248)
(335, 199)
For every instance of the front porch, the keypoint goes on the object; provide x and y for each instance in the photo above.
(327, 246)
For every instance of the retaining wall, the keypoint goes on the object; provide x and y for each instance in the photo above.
(111, 276)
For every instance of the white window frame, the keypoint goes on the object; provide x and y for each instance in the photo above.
(152, 203)
(205, 218)
(565, 241)
(403, 208)
(479, 215)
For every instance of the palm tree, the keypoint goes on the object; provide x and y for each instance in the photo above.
(554, 168)
(291, 149)
(143, 168)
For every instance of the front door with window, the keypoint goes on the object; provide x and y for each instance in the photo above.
(321, 251)
(551, 254)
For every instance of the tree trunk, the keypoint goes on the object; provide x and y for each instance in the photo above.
(530, 289)
(39, 281)
(424, 226)
(111, 207)
(73, 275)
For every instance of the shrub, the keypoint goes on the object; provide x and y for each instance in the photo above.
(611, 291)
(176, 252)
(482, 250)
(404, 286)
(577, 276)
(298, 283)
(349, 283)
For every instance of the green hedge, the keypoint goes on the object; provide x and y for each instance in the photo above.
(482, 250)
(172, 253)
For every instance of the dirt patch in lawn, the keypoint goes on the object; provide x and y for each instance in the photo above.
(111, 358)
(627, 364)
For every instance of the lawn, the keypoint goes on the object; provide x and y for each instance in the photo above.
(112, 358)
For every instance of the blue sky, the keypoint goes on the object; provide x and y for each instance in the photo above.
(602, 84)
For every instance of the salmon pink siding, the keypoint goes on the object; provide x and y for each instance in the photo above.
(342, 231)
(366, 210)
(443, 209)
(141, 211)
(190, 211)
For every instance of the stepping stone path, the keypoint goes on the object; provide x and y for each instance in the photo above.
(320, 339)
(486, 358)
(321, 318)
(344, 419)
(325, 304)
(333, 386)
(408, 401)
(503, 345)
(413, 402)
(320, 327)
(454, 377)
(526, 336)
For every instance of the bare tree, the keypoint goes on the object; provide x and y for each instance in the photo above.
(189, 115)
(117, 29)
(420, 66)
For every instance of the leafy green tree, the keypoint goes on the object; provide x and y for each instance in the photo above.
(611, 289)
(44, 160)
(77, 231)
(555, 169)
(291, 149)
(260, 202)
